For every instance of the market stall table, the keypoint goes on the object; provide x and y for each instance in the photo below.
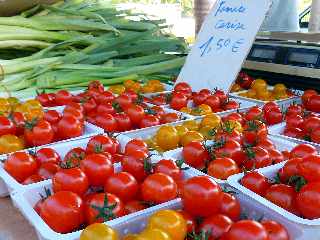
(13, 225)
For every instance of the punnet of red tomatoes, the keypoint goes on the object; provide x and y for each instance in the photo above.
(121, 113)
(28, 167)
(92, 189)
(301, 124)
(195, 103)
(206, 212)
(29, 125)
(294, 186)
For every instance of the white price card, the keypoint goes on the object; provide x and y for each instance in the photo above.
(223, 43)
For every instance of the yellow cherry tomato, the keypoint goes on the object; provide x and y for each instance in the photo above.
(167, 138)
(128, 83)
(153, 234)
(186, 110)
(136, 87)
(34, 113)
(251, 93)
(33, 104)
(234, 125)
(191, 136)
(117, 89)
(206, 132)
(99, 231)
(13, 101)
(192, 125)
(4, 105)
(148, 89)
(258, 84)
(263, 95)
(202, 110)
(154, 82)
(170, 222)
(279, 88)
(182, 130)
(235, 88)
(10, 143)
(211, 120)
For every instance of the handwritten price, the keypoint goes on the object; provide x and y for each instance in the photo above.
(219, 44)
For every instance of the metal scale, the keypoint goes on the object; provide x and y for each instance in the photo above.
(292, 59)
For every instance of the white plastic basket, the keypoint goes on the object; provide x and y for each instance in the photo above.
(28, 197)
(284, 103)
(9, 186)
(249, 207)
(299, 228)
(280, 144)
(278, 129)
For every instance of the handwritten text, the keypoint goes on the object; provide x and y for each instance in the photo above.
(223, 8)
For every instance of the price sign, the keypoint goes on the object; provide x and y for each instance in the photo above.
(223, 43)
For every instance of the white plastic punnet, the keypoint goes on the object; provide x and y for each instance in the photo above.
(29, 196)
(9, 186)
(298, 228)
(278, 129)
(280, 144)
(284, 103)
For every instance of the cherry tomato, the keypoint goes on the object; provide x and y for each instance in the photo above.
(222, 168)
(247, 230)
(74, 156)
(254, 113)
(293, 132)
(182, 87)
(20, 165)
(167, 138)
(149, 121)
(313, 103)
(290, 169)
(230, 206)
(303, 150)
(96, 85)
(46, 155)
(282, 195)
(70, 127)
(159, 188)
(178, 101)
(6, 126)
(294, 121)
(257, 157)
(99, 231)
(294, 110)
(199, 98)
(107, 122)
(256, 182)
(70, 179)
(45, 99)
(169, 168)
(215, 226)
(309, 168)
(63, 97)
(123, 122)
(170, 117)
(19, 121)
(135, 165)
(311, 124)
(134, 145)
(52, 116)
(32, 179)
(308, 200)
(101, 144)
(136, 113)
(123, 185)
(98, 168)
(109, 205)
(208, 195)
(10, 143)
(273, 116)
(153, 233)
(63, 211)
(307, 95)
(275, 230)
(105, 97)
(106, 108)
(48, 170)
(170, 222)
(124, 101)
(195, 155)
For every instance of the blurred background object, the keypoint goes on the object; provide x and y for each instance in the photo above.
(12, 7)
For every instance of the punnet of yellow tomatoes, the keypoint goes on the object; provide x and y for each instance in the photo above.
(151, 86)
(248, 87)
(205, 212)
